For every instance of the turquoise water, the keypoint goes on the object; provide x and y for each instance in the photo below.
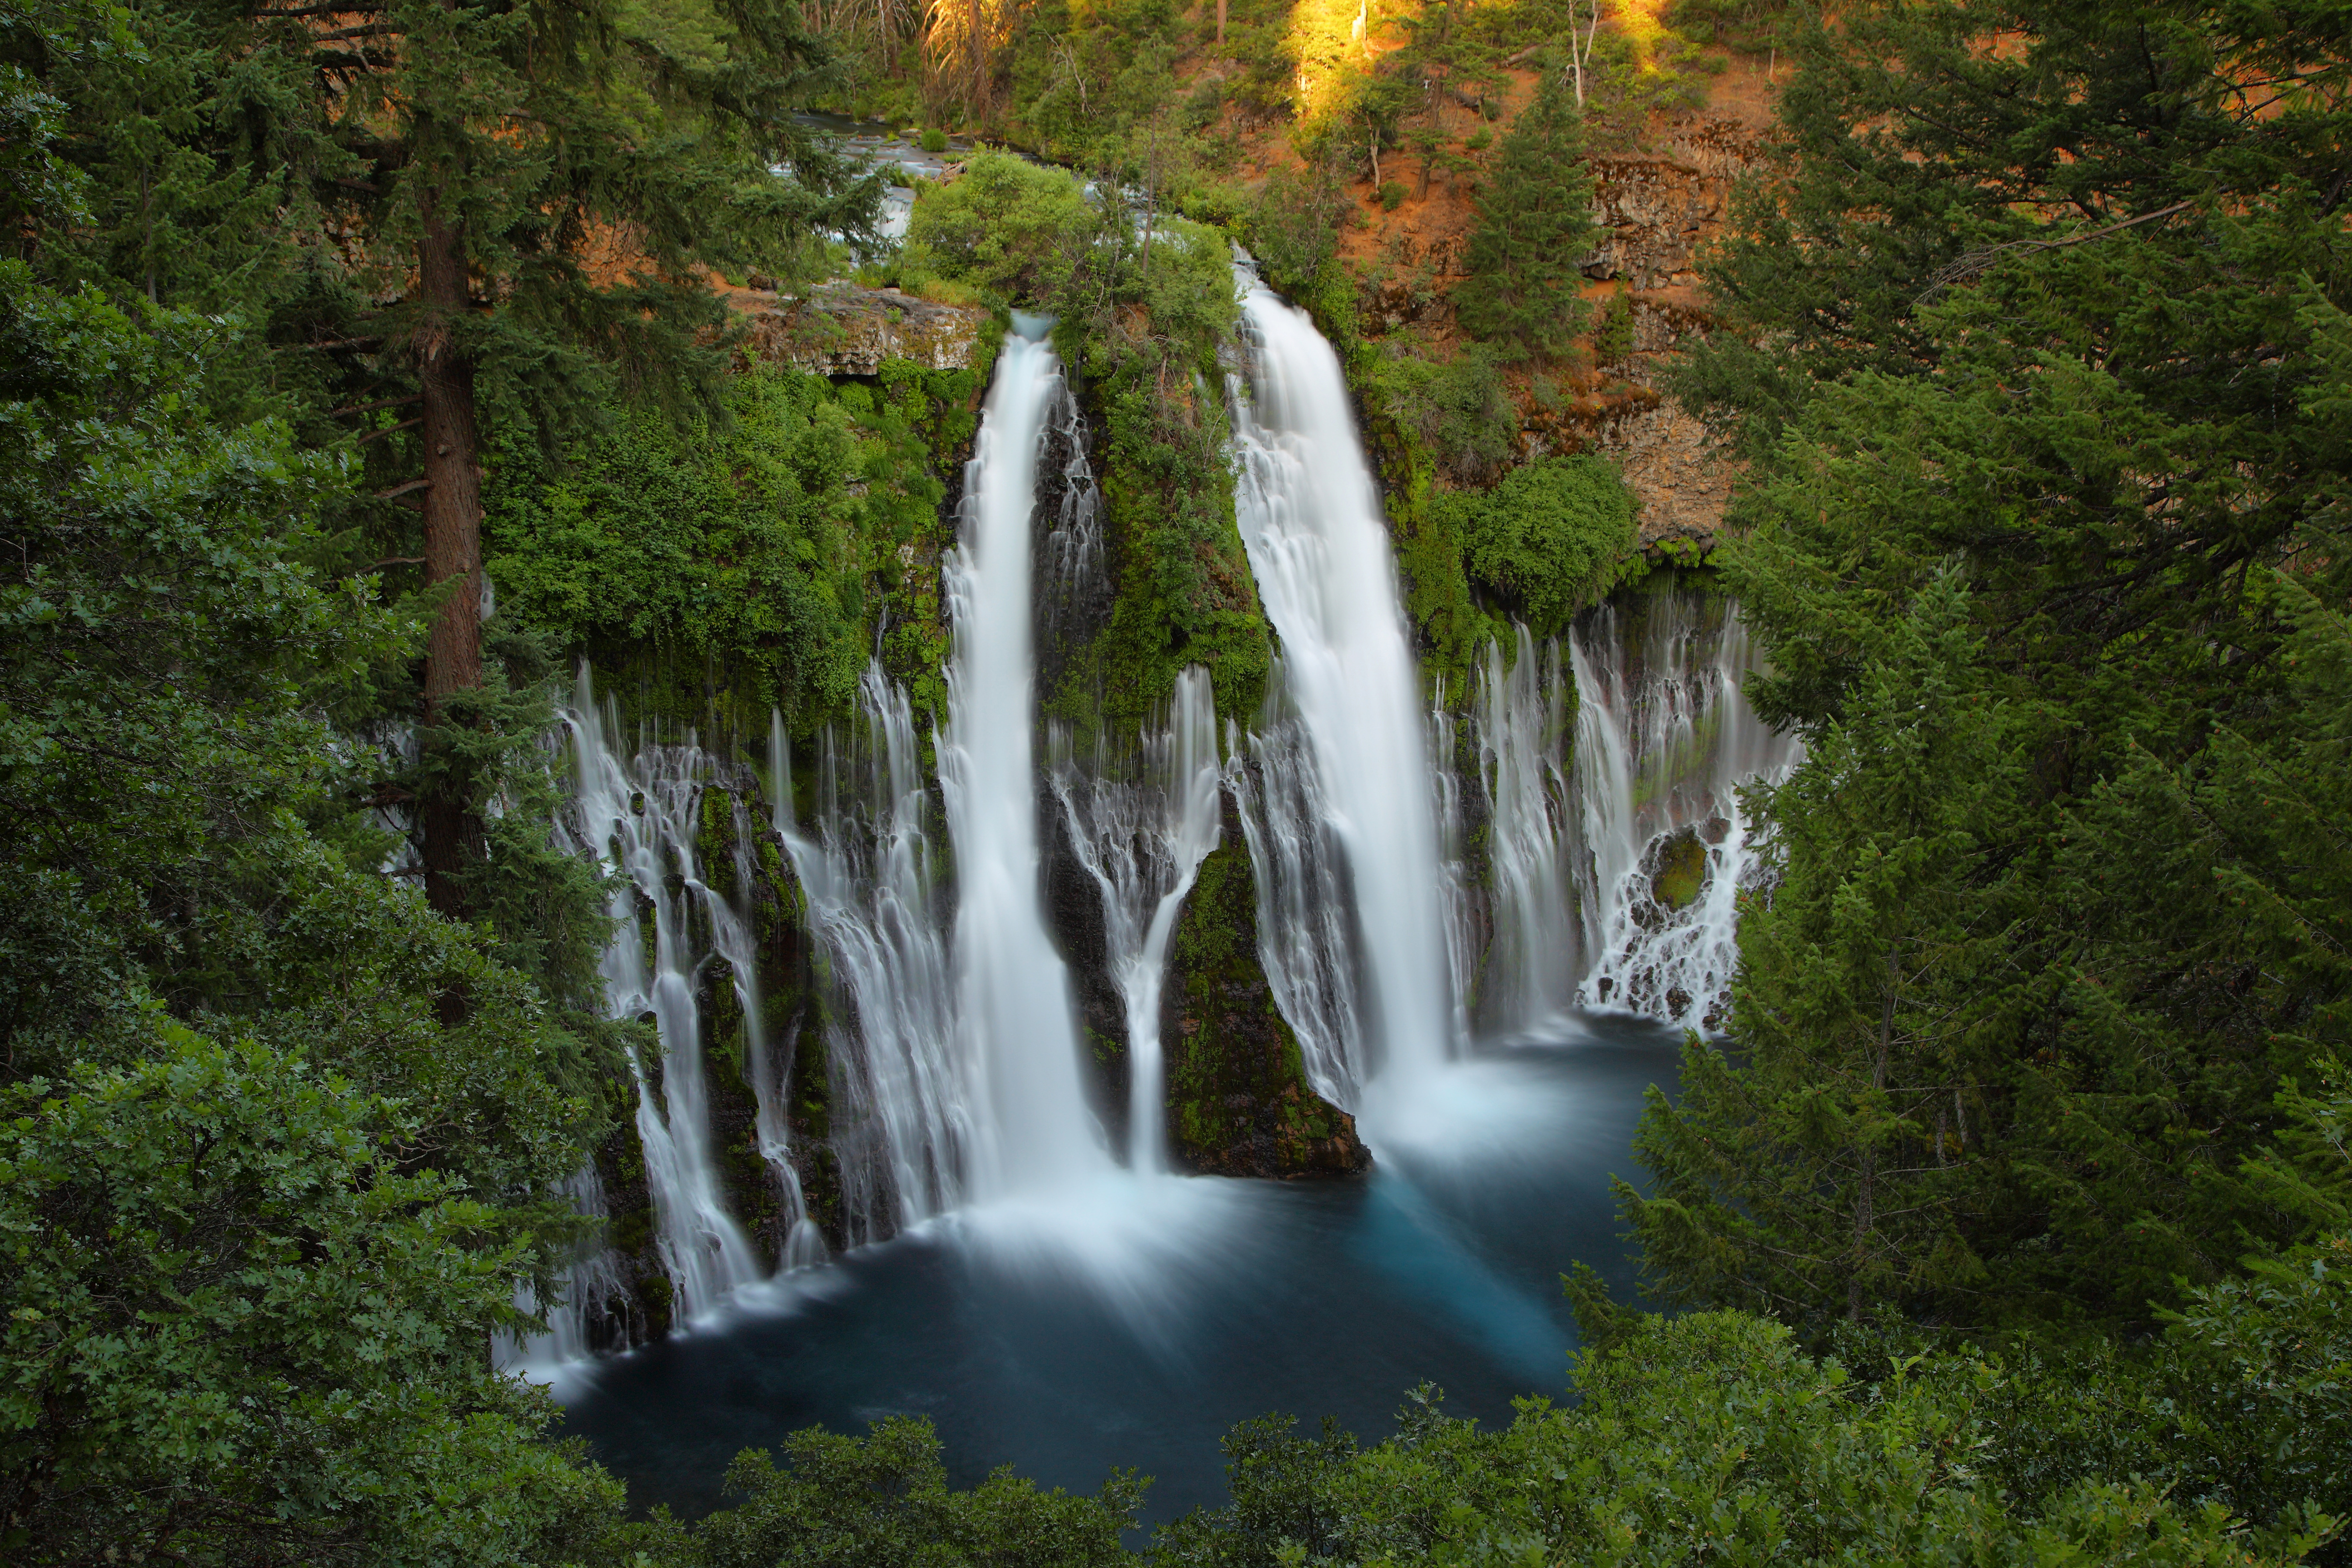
(1066, 1348)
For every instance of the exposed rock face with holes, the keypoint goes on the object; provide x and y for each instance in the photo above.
(842, 329)
(1656, 211)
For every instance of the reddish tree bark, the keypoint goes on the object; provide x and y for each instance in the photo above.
(453, 533)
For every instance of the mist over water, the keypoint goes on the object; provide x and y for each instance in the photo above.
(1235, 1299)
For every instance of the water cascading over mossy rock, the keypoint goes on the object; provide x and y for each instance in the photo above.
(704, 1184)
(1239, 1103)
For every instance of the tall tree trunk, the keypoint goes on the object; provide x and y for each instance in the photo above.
(453, 534)
(1221, 24)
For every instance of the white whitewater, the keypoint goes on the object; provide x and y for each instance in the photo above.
(1520, 719)
(1142, 839)
(587, 1290)
(1310, 519)
(637, 816)
(1305, 924)
(901, 1109)
(1017, 1030)
(1664, 738)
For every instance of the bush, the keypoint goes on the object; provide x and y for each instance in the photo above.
(882, 1501)
(728, 543)
(1549, 537)
(1006, 226)
(1703, 1439)
(1293, 227)
(935, 139)
(1392, 195)
(1458, 408)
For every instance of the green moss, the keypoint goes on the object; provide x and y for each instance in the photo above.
(1681, 872)
(1237, 1096)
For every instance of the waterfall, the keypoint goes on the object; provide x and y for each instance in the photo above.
(581, 1320)
(901, 1112)
(1520, 722)
(1016, 1016)
(1458, 899)
(1142, 838)
(1663, 740)
(638, 817)
(1310, 521)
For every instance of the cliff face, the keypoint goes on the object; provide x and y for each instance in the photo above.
(842, 329)
(1656, 210)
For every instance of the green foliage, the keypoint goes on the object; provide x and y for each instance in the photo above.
(1613, 338)
(1005, 224)
(1699, 1440)
(1150, 353)
(1553, 536)
(882, 1501)
(236, 1331)
(2045, 547)
(278, 1137)
(1535, 225)
(1455, 408)
(935, 139)
(1145, 301)
(736, 545)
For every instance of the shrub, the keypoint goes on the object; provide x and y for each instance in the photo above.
(1549, 537)
(1007, 226)
(1457, 408)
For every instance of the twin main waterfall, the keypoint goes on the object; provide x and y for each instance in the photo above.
(1016, 1030)
(1348, 801)
(1614, 846)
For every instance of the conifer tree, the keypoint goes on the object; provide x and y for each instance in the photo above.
(449, 215)
(1535, 228)
(2064, 323)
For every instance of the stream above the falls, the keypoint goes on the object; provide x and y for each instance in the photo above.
(1135, 1334)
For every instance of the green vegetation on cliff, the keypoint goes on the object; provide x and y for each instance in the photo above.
(742, 561)
(2045, 544)
(1144, 304)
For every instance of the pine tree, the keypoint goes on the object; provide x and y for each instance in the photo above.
(1830, 1171)
(1535, 229)
(2102, 395)
(449, 215)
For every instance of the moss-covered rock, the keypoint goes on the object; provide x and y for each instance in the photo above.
(1681, 873)
(1238, 1101)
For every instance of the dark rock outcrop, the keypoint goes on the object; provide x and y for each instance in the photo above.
(1238, 1101)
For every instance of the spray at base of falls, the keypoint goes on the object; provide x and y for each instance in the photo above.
(1664, 738)
(1310, 521)
(1142, 839)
